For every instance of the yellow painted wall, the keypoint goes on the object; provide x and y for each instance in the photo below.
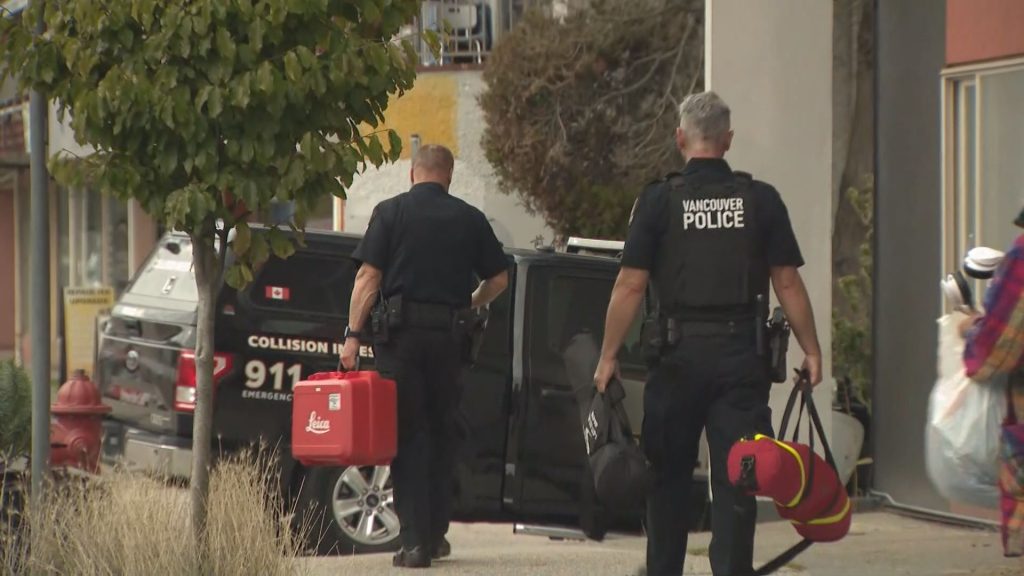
(430, 109)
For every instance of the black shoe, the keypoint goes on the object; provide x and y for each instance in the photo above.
(415, 558)
(442, 549)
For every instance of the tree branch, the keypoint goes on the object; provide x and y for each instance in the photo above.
(641, 148)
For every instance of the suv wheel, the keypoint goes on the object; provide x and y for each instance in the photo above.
(349, 510)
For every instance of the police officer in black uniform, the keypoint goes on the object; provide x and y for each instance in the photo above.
(708, 240)
(420, 253)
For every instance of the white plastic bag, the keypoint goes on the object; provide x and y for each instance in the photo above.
(964, 418)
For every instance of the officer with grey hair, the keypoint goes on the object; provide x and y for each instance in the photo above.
(709, 241)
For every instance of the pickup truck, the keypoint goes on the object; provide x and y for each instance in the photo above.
(522, 459)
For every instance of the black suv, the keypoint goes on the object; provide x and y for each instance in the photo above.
(523, 457)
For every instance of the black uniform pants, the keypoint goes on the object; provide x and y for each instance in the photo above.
(426, 367)
(721, 384)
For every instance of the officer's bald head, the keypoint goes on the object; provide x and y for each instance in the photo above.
(704, 126)
(433, 163)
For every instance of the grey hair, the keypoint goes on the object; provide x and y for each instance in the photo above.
(704, 115)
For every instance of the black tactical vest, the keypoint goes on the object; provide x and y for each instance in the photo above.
(711, 262)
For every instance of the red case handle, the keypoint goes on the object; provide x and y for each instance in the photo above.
(339, 374)
(327, 376)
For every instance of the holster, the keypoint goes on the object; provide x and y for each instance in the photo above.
(469, 328)
(778, 345)
(654, 338)
(380, 332)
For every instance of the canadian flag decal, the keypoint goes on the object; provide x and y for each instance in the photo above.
(277, 293)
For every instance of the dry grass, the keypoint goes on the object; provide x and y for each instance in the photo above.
(13, 550)
(126, 524)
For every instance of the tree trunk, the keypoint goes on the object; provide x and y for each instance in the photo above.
(207, 270)
(845, 64)
(853, 157)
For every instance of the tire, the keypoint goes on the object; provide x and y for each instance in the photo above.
(347, 510)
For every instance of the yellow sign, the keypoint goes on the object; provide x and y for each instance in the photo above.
(81, 307)
(429, 109)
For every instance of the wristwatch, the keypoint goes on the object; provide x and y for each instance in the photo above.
(350, 333)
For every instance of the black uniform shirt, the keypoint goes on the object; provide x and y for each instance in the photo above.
(650, 218)
(429, 244)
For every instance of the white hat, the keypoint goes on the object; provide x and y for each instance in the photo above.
(981, 262)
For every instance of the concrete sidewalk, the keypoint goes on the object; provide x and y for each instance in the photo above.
(885, 543)
(879, 544)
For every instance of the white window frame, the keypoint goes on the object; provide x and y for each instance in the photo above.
(954, 225)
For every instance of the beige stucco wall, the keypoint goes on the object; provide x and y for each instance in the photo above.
(442, 109)
(772, 62)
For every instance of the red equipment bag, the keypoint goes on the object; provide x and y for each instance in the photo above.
(345, 419)
(804, 486)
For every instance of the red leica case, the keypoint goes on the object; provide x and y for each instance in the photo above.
(345, 419)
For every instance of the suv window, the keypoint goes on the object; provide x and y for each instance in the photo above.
(307, 282)
(567, 303)
(168, 273)
(494, 348)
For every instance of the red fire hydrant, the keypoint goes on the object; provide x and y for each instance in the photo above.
(76, 430)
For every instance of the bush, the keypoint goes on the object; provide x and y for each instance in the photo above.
(129, 524)
(851, 328)
(581, 112)
(15, 412)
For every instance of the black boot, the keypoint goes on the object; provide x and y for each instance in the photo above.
(415, 558)
(442, 549)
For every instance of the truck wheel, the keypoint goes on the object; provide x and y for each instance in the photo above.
(349, 510)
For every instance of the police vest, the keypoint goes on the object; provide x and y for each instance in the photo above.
(711, 261)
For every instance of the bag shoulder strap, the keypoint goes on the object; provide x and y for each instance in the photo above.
(784, 558)
(613, 397)
(803, 390)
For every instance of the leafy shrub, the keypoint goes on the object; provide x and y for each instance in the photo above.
(851, 330)
(15, 412)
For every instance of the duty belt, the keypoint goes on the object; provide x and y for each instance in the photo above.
(428, 316)
(678, 329)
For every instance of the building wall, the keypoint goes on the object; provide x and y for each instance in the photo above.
(911, 49)
(442, 108)
(980, 30)
(772, 63)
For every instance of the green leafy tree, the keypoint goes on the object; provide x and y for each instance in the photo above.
(204, 111)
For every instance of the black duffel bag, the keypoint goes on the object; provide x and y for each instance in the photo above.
(622, 476)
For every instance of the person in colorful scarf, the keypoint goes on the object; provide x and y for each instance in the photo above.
(995, 347)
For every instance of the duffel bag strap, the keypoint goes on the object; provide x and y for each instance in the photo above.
(614, 394)
(816, 429)
(802, 389)
(790, 404)
(804, 384)
(784, 558)
(800, 392)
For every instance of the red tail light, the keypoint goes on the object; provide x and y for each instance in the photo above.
(185, 388)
